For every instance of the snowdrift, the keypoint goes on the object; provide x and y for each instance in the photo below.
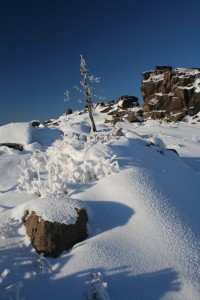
(144, 228)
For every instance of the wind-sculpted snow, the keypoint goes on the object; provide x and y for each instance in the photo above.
(163, 233)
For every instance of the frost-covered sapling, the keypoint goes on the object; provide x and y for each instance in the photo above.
(86, 90)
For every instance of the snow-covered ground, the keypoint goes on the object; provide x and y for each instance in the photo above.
(143, 204)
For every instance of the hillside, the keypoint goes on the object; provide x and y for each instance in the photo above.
(140, 185)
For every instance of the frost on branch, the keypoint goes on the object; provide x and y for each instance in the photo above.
(97, 289)
(69, 160)
(42, 264)
(86, 90)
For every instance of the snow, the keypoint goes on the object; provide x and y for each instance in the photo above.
(144, 227)
(188, 71)
(154, 77)
(197, 85)
(60, 209)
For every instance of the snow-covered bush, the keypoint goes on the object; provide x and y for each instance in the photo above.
(73, 159)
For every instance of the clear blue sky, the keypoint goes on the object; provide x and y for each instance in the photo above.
(41, 43)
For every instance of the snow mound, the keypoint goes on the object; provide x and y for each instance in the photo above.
(19, 133)
(46, 136)
(60, 209)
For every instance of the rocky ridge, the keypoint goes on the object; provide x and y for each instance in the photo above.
(171, 94)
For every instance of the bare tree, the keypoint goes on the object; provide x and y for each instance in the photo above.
(86, 90)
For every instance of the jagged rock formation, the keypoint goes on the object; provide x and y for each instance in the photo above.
(171, 94)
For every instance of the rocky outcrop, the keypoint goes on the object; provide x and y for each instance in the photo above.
(52, 238)
(126, 108)
(171, 94)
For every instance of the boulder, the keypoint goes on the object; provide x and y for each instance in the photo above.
(53, 237)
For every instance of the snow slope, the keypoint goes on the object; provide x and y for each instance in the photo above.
(144, 227)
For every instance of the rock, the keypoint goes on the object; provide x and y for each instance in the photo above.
(69, 111)
(106, 109)
(48, 122)
(146, 75)
(52, 237)
(106, 121)
(116, 119)
(112, 112)
(132, 117)
(120, 113)
(35, 123)
(127, 101)
(13, 145)
(176, 117)
(167, 92)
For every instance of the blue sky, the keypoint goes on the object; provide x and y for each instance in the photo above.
(41, 43)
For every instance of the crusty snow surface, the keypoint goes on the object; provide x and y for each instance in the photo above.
(144, 225)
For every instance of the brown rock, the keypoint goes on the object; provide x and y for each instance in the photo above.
(106, 121)
(116, 119)
(132, 117)
(120, 113)
(148, 88)
(196, 103)
(177, 117)
(52, 238)
(147, 75)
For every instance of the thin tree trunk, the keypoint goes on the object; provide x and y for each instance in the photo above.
(91, 118)
(88, 98)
